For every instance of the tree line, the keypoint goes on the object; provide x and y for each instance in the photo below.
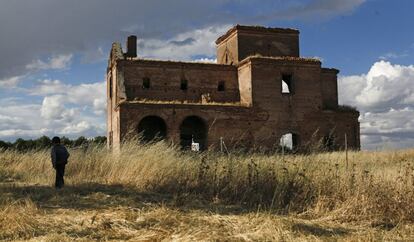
(45, 142)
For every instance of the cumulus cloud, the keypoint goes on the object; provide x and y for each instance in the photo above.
(19, 119)
(385, 86)
(65, 109)
(84, 95)
(385, 97)
(53, 108)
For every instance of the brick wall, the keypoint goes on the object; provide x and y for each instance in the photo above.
(166, 79)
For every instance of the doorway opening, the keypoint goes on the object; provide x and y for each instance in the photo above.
(152, 128)
(193, 129)
(289, 142)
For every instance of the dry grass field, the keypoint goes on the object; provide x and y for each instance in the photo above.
(155, 192)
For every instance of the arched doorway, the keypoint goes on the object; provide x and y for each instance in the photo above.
(289, 142)
(152, 128)
(193, 128)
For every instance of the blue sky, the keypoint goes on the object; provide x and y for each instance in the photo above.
(54, 55)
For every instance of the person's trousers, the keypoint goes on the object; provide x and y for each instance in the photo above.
(60, 172)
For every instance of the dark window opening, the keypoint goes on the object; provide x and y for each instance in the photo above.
(146, 83)
(287, 84)
(289, 142)
(184, 84)
(221, 86)
(110, 87)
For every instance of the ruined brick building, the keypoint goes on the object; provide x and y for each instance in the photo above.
(259, 90)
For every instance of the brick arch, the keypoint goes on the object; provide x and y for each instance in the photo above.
(193, 128)
(152, 128)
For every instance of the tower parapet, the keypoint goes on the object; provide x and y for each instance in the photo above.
(241, 42)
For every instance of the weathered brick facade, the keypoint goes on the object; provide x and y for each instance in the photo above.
(240, 99)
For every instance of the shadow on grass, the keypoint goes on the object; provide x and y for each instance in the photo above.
(7, 177)
(316, 230)
(93, 196)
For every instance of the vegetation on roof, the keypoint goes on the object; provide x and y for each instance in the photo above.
(346, 108)
(282, 58)
(184, 102)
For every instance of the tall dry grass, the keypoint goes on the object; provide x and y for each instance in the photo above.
(375, 188)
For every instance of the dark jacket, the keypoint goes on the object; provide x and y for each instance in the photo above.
(59, 155)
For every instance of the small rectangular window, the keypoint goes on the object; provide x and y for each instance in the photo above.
(184, 84)
(110, 87)
(221, 86)
(146, 83)
(287, 84)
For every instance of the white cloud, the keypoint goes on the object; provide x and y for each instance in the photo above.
(385, 97)
(90, 95)
(19, 118)
(393, 55)
(11, 82)
(53, 108)
(184, 46)
(77, 128)
(47, 87)
(53, 63)
(71, 110)
(387, 86)
(206, 60)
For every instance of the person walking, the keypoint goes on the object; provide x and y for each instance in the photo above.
(60, 157)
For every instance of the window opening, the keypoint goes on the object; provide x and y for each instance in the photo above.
(146, 83)
(287, 84)
(184, 84)
(110, 87)
(193, 130)
(221, 86)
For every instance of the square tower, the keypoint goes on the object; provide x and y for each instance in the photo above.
(241, 42)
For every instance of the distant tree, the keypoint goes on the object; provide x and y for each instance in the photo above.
(5, 145)
(80, 141)
(43, 142)
(66, 141)
(21, 144)
(100, 140)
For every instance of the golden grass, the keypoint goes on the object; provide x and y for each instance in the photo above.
(155, 192)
